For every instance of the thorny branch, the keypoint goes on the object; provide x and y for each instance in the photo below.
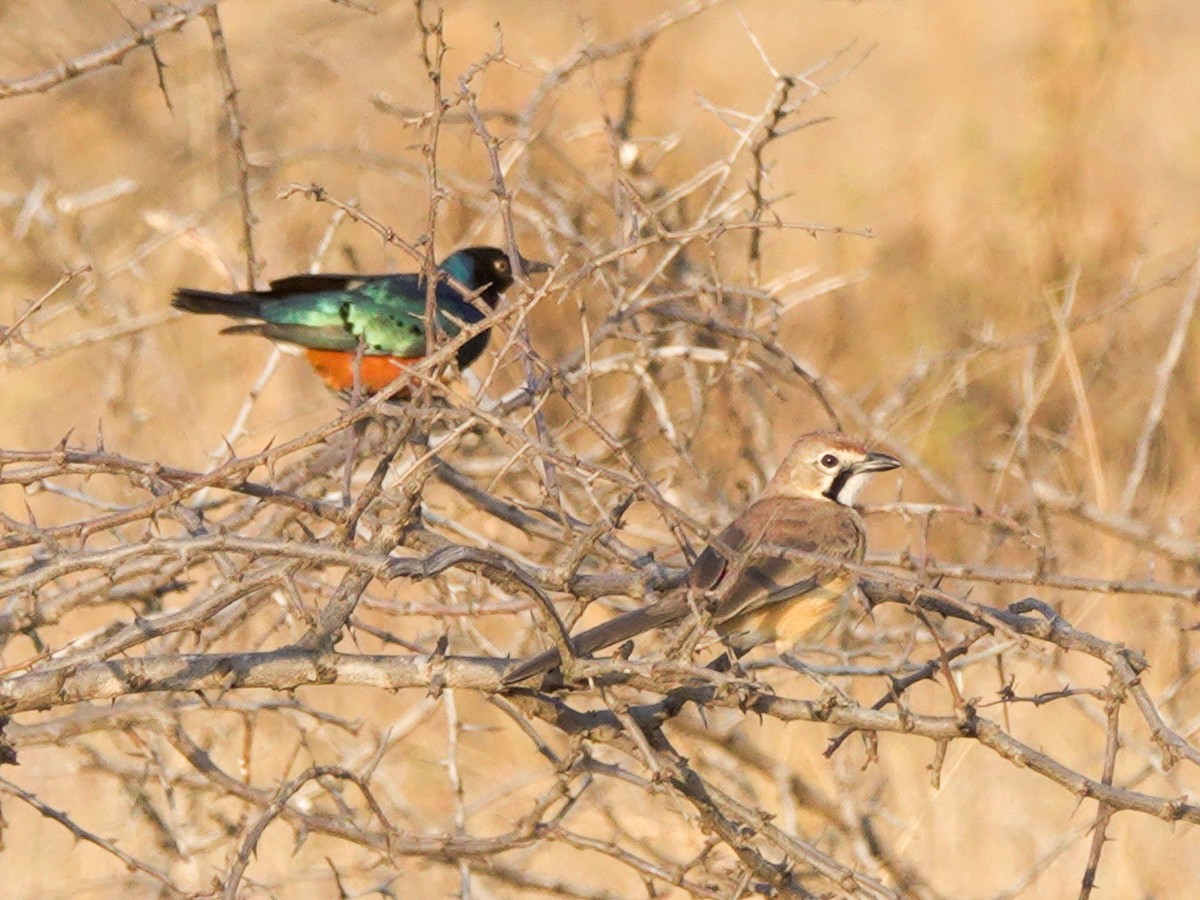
(237, 136)
(168, 19)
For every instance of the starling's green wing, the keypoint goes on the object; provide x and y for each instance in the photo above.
(386, 314)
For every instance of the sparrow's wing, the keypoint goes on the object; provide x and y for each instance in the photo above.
(762, 555)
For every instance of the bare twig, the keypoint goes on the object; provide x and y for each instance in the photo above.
(237, 135)
(171, 19)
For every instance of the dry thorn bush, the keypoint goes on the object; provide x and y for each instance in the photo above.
(280, 671)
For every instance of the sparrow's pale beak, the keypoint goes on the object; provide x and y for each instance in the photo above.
(878, 462)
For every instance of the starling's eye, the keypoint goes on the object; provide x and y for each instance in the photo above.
(829, 461)
(502, 266)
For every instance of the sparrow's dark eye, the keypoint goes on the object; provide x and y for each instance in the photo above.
(829, 461)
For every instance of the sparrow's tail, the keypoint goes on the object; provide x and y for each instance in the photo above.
(614, 631)
(242, 306)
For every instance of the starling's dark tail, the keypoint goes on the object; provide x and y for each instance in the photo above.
(206, 302)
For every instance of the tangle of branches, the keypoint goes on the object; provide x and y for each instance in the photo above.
(307, 639)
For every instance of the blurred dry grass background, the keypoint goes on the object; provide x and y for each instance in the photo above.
(1011, 161)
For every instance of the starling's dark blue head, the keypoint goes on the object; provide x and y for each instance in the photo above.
(476, 267)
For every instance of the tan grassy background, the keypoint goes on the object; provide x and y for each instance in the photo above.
(997, 152)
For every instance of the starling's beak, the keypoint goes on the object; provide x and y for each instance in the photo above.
(878, 462)
(532, 265)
